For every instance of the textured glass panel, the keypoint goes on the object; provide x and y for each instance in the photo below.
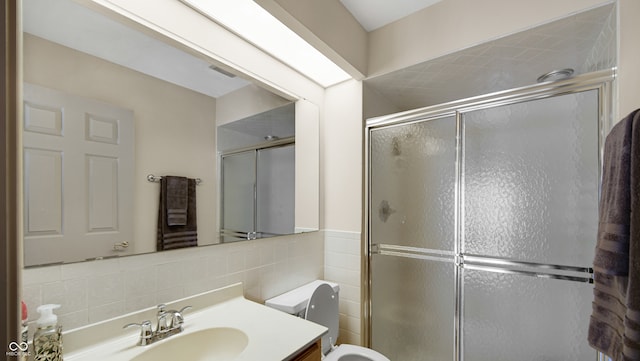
(412, 184)
(513, 317)
(412, 307)
(531, 180)
(276, 191)
(238, 177)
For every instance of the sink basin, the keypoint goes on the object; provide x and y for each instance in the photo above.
(213, 344)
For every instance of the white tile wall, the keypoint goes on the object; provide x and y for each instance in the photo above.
(604, 52)
(90, 292)
(94, 291)
(342, 264)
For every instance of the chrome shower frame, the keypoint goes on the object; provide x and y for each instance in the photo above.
(601, 80)
(238, 235)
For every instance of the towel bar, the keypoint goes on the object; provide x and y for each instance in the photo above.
(153, 178)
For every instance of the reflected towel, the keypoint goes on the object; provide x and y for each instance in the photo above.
(177, 236)
(614, 327)
(176, 200)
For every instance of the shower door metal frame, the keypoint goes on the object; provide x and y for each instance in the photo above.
(602, 81)
(238, 235)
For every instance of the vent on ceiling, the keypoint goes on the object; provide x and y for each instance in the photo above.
(222, 71)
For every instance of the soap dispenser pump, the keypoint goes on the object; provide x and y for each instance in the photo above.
(47, 340)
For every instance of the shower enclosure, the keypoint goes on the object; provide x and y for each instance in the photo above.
(258, 191)
(481, 224)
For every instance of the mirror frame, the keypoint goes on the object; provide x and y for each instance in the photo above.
(10, 241)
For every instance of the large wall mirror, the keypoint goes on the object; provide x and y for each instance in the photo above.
(109, 109)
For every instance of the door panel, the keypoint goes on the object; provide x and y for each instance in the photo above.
(531, 180)
(513, 317)
(413, 302)
(78, 177)
(275, 194)
(413, 184)
(238, 194)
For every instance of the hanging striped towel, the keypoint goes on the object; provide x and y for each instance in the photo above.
(177, 229)
(176, 200)
(614, 327)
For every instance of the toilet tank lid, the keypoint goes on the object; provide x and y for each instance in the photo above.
(295, 301)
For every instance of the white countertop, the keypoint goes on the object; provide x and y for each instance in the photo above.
(273, 335)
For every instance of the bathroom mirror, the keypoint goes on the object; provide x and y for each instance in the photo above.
(159, 104)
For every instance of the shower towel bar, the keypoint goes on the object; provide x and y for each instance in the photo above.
(153, 178)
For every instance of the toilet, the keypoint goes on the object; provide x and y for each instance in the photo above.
(318, 302)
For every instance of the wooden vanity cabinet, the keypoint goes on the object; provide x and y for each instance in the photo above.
(311, 353)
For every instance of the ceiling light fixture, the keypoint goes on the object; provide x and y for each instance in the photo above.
(555, 75)
(256, 25)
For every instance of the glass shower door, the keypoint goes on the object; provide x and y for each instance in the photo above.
(481, 231)
(530, 190)
(275, 195)
(238, 196)
(412, 201)
(258, 193)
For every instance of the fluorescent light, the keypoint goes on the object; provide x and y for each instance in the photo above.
(258, 26)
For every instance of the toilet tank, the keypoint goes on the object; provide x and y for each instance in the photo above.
(295, 301)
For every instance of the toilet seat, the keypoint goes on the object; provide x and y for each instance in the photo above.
(322, 308)
(346, 352)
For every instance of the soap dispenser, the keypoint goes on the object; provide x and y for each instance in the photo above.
(47, 340)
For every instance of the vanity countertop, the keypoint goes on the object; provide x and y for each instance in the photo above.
(272, 334)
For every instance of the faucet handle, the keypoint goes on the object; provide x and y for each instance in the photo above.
(161, 308)
(146, 333)
(178, 319)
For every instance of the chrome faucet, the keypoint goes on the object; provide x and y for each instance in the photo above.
(168, 323)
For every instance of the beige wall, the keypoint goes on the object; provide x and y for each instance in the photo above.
(307, 202)
(244, 102)
(341, 157)
(174, 127)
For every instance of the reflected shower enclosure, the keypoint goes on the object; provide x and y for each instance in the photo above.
(482, 222)
(258, 192)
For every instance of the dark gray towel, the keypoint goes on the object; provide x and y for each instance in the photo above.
(176, 200)
(614, 327)
(177, 236)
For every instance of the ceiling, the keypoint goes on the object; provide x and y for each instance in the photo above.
(373, 14)
(278, 122)
(70, 24)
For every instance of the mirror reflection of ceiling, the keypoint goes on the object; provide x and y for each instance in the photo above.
(509, 62)
(278, 123)
(58, 21)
